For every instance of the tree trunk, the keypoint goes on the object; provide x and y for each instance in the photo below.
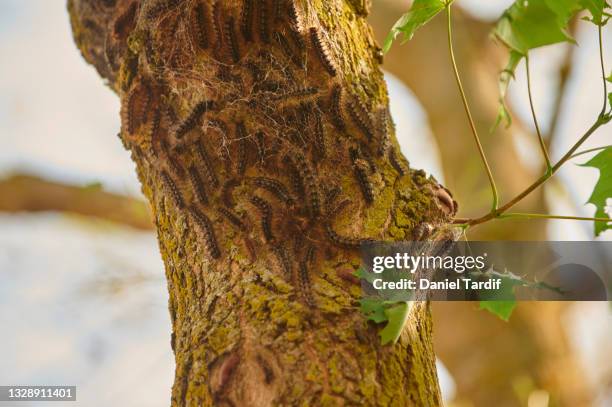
(261, 137)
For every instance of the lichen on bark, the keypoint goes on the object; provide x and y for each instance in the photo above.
(262, 139)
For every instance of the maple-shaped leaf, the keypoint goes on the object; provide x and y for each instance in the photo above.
(602, 193)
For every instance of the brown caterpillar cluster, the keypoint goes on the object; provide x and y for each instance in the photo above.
(249, 120)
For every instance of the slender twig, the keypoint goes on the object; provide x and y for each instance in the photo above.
(590, 150)
(467, 109)
(603, 73)
(544, 216)
(535, 118)
(496, 213)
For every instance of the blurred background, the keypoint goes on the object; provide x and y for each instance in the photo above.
(82, 290)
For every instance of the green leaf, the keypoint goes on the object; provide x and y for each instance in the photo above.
(373, 309)
(420, 13)
(597, 8)
(503, 309)
(602, 193)
(531, 24)
(396, 317)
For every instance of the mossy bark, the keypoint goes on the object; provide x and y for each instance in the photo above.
(260, 135)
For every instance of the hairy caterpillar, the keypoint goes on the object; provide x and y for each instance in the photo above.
(261, 146)
(246, 19)
(308, 180)
(285, 47)
(232, 40)
(174, 190)
(360, 118)
(264, 24)
(216, 17)
(198, 187)
(336, 108)
(383, 126)
(319, 133)
(266, 217)
(241, 135)
(233, 218)
(211, 176)
(304, 276)
(296, 181)
(275, 187)
(126, 21)
(127, 115)
(194, 117)
(174, 164)
(155, 128)
(322, 51)
(342, 241)
(294, 17)
(283, 257)
(362, 177)
(200, 22)
(209, 232)
(396, 163)
(277, 9)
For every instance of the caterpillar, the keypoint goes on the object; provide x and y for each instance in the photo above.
(383, 126)
(207, 229)
(296, 181)
(145, 104)
(285, 47)
(277, 9)
(174, 164)
(241, 135)
(200, 22)
(275, 187)
(266, 217)
(211, 176)
(342, 241)
(233, 218)
(194, 117)
(294, 16)
(126, 21)
(155, 128)
(283, 258)
(173, 188)
(197, 184)
(308, 180)
(322, 51)
(298, 93)
(362, 177)
(335, 108)
(319, 133)
(127, 115)
(333, 212)
(397, 165)
(304, 277)
(216, 18)
(232, 40)
(246, 20)
(261, 146)
(264, 24)
(360, 118)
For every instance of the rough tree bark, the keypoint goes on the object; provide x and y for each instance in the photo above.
(261, 136)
